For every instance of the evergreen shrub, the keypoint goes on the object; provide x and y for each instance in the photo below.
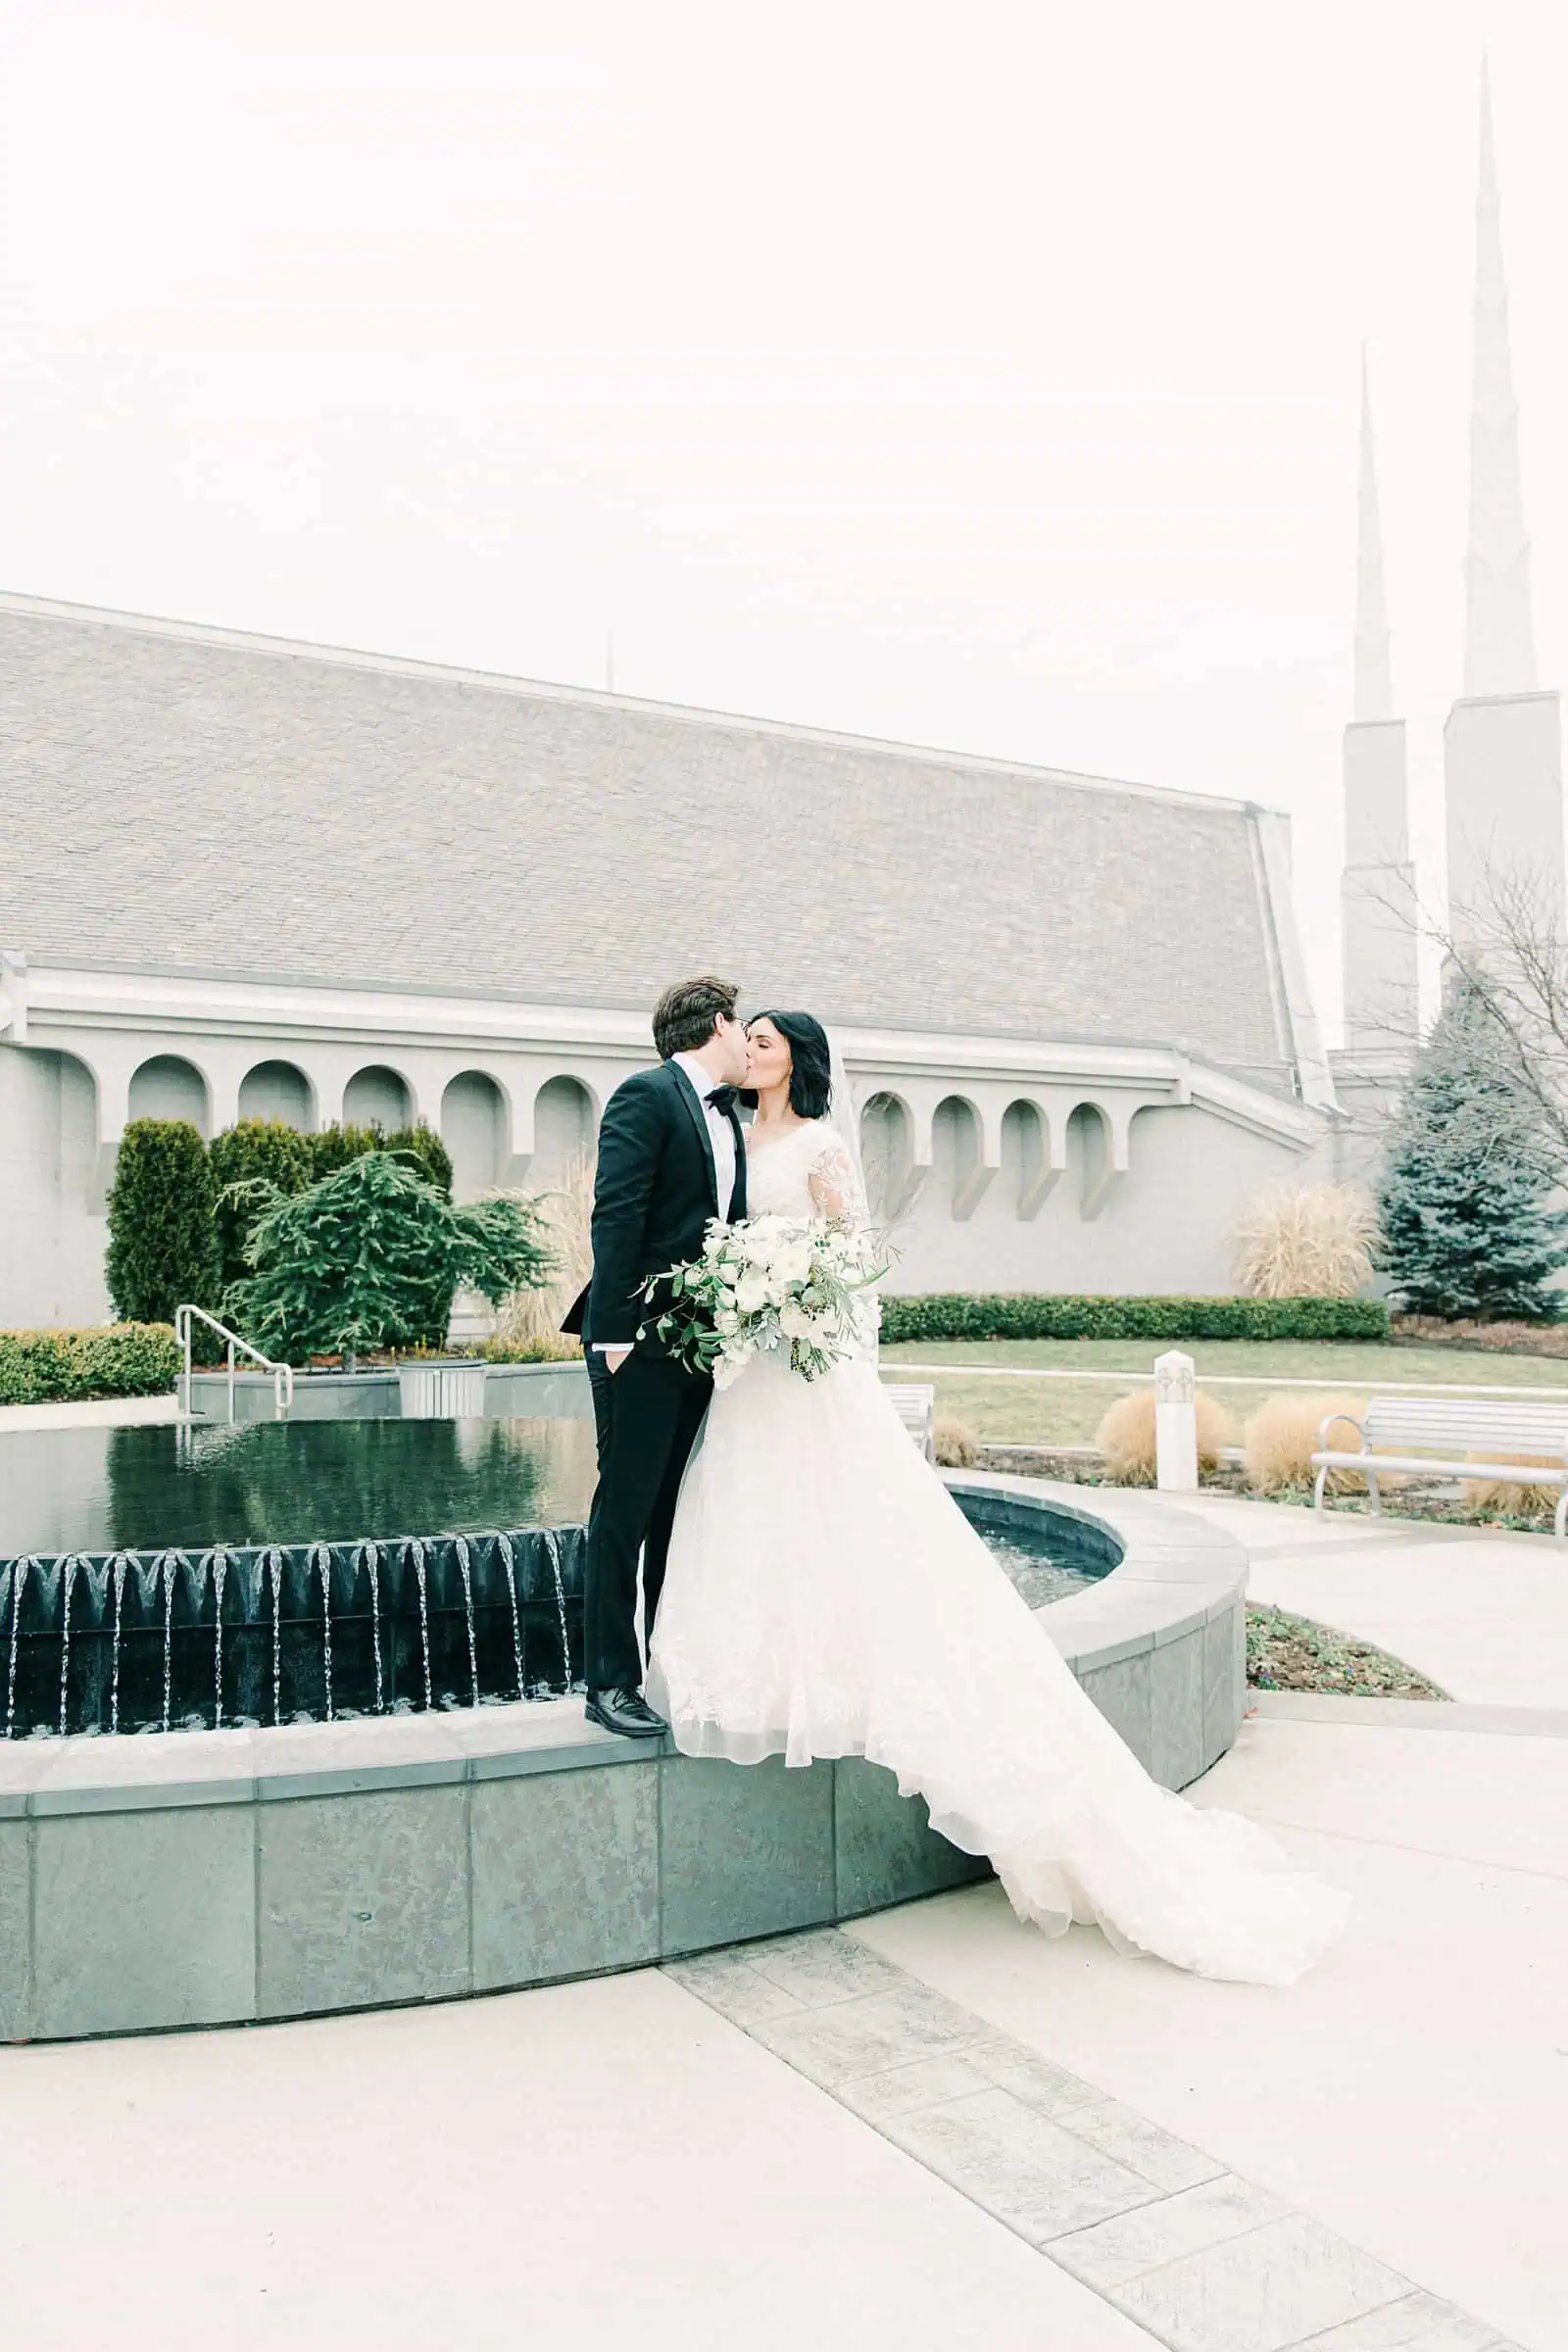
(118, 1360)
(1470, 1223)
(372, 1255)
(163, 1247)
(333, 1148)
(1056, 1315)
(256, 1150)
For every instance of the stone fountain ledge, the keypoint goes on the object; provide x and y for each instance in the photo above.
(205, 1878)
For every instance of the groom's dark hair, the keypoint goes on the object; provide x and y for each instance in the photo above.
(685, 1015)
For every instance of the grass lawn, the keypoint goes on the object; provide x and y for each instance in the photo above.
(1067, 1412)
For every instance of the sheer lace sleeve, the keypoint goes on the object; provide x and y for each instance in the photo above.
(835, 1185)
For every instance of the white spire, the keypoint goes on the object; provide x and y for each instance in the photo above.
(1374, 679)
(1500, 647)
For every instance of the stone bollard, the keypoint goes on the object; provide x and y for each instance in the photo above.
(1175, 1423)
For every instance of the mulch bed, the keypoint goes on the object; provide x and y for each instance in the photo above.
(1416, 1499)
(1295, 1653)
(1493, 1339)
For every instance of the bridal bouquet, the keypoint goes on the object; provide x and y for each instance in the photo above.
(765, 1284)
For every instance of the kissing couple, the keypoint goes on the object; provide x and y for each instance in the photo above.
(809, 1587)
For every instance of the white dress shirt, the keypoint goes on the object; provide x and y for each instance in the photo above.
(720, 1134)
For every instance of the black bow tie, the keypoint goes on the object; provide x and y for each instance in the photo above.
(724, 1099)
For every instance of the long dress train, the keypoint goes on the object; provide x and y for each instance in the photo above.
(825, 1597)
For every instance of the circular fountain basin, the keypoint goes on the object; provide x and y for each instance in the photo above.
(232, 1875)
(154, 1579)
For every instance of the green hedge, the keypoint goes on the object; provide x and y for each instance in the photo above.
(1051, 1315)
(256, 1150)
(163, 1247)
(119, 1359)
(332, 1148)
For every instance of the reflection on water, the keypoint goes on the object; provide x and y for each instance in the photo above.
(282, 1481)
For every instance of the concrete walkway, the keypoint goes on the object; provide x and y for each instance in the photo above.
(1409, 2095)
(1485, 1615)
(93, 1412)
(588, 2165)
(1372, 2160)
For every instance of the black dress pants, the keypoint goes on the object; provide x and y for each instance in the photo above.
(646, 1417)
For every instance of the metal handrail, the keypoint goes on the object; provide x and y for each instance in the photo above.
(282, 1374)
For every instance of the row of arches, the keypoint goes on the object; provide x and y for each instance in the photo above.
(475, 1119)
(1027, 1153)
(951, 1154)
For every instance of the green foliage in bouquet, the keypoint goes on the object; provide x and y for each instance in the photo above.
(785, 1286)
(371, 1256)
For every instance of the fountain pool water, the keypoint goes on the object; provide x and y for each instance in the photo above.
(168, 1578)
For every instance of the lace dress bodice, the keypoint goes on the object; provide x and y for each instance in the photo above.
(809, 1172)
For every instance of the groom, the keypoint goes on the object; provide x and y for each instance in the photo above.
(671, 1156)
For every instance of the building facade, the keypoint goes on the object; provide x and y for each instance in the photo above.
(245, 877)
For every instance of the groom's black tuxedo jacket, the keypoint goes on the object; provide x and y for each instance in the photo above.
(655, 1191)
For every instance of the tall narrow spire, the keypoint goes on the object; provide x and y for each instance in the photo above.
(1374, 679)
(1500, 647)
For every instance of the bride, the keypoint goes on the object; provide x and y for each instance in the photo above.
(825, 1597)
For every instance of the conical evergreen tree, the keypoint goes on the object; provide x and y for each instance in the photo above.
(1467, 1198)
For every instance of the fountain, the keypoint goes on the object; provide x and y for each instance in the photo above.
(354, 1646)
(350, 1617)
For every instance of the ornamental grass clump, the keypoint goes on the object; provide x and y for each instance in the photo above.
(529, 1319)
(371, 1256)
(1281, 1438)
(958, 1447)
(1126, 1437)
(1489, 1495)
(1312, 1241)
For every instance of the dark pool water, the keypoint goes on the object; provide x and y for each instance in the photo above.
(288, 1482)
(157, 1578)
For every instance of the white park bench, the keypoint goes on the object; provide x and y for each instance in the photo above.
(916, 1404)
(1401, 1434)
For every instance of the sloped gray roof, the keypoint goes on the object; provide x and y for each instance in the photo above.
(189, 799)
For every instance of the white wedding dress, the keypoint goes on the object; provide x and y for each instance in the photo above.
(825, 1597)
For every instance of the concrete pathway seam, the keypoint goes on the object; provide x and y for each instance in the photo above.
(1202, 2260)
(1398, 1845)
(1410, 1714)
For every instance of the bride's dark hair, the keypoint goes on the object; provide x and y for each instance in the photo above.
(811, 1062)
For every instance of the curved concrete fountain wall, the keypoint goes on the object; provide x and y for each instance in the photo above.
(206, 1877)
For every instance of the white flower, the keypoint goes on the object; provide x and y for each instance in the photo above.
(793, 1262)
(751, 1296)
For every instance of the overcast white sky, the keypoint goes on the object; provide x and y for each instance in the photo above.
(981, 375)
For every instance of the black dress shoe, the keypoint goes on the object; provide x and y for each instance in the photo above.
(626, 1712)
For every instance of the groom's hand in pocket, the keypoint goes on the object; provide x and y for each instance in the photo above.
(615, 1357)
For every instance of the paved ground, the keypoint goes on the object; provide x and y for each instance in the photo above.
(1375, 2160)
(1409, 2094)
(1486, 1616)
(608, 2151)
(596, 2164)
(97, 1412)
